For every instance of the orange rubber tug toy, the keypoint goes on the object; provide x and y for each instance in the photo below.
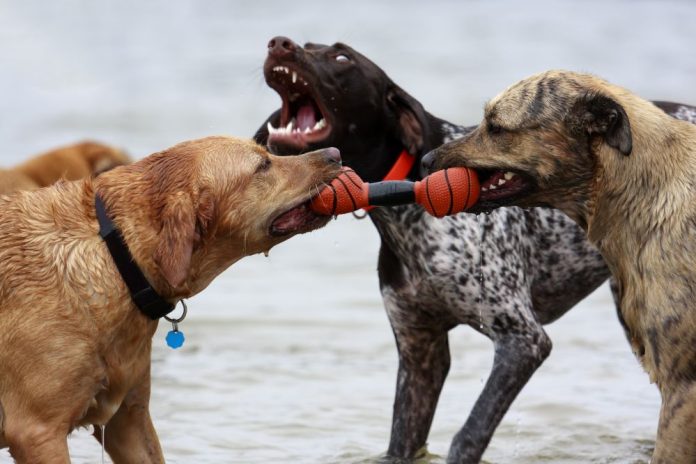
(442, 193)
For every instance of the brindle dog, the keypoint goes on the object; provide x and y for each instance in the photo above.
(505, 274)
(624, 171)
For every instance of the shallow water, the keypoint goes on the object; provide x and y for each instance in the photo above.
(291, 358)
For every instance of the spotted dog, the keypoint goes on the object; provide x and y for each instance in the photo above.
(504, 274)
(624, 171)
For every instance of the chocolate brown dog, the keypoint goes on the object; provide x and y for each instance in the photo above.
(74, 349)
(623, 170)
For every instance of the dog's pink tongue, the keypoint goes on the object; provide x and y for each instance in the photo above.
(292, 220)
(305, 117)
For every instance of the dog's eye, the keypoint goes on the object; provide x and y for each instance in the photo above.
(494, 128)
(341, 58)
(265, 165)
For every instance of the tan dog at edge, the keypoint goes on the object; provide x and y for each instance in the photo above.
(71, 162)
(626, 172)
(74, 349)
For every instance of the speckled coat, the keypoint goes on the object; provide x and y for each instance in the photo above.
(505, 274)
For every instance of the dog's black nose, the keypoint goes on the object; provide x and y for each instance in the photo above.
(332, 155)
(427, 163)
(281, 46)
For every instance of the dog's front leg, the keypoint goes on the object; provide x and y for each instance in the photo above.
(36, 443)
(676, 432)
(517, 356)
(424, 361)
(130, 435)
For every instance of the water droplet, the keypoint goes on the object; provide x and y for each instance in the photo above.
(103, 441)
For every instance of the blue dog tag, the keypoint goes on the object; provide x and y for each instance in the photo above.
(175, 339)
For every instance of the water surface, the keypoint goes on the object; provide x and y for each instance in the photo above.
(290, 358)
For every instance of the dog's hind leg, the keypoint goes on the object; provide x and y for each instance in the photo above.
(518, 353)
(424, 362)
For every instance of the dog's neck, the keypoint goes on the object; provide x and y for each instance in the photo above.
(644, 199)
(129, 206)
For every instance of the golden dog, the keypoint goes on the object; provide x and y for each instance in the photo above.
(71, 162)
(626, 172)
(74, 349)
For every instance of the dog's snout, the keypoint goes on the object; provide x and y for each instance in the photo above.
(280, 46)
(427, 163)
(332, 155)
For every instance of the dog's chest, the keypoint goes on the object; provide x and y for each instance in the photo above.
(123, 365)
(449, 263)
(467, 268)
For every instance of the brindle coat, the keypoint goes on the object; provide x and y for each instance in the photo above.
(625, 171)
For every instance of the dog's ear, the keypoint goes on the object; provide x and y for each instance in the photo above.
(261, 135)
(183, 225)
(600, 115)
(411, 119)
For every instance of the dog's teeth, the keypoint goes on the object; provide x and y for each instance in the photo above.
(492, 187)
(321, 123)
(287, 71)
(294, 77)
(484, 189)
(288, 128)
(509, 175)
(307, 130)
(501, 181)
(278, 68)
(271, 129)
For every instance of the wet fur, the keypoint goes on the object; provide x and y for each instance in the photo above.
(71, 162)
(504, 274)
(74, 350)
(625, 171)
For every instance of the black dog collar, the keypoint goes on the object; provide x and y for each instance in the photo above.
(148, 301)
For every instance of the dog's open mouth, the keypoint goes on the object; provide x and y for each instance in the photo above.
(296, 220)
(502, 187)
(303, 118)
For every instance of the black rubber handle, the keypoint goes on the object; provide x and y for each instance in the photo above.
(391, 193)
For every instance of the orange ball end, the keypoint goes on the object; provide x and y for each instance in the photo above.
(345, 194)
(449, 191)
